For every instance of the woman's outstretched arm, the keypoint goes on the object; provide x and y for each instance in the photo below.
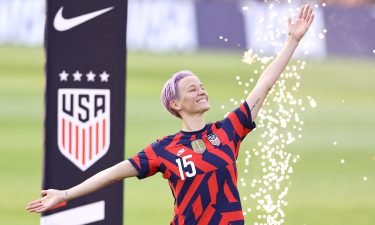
(51, 197)
(296, 31)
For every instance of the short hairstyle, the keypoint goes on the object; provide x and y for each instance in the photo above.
(170, 90)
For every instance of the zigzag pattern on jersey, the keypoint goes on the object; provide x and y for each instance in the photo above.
(230, 131)
(200, 201)
(233, 129)
(211, 196)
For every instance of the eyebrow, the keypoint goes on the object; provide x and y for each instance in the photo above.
(192, 85)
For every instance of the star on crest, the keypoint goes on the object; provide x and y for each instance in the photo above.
(104, 77)
(63, 76)
(77, 76)
(90, 76)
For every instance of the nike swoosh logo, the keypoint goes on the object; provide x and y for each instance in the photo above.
(62, 24)
(180, 152)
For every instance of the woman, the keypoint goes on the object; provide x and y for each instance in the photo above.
(200, 160)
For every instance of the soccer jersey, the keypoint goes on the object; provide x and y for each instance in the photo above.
(201, 169)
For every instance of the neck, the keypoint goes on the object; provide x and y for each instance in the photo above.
(194, 123)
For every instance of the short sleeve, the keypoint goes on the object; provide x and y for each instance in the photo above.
(146, 162)
(236, 126)
(241, 120)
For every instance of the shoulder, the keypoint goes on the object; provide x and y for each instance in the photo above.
(160, 143)
(220, 123)
(165, 138)
(241, 113)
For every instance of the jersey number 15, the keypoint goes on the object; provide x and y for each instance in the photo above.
(184, 164)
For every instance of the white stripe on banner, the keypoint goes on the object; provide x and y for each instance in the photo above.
(77, 216)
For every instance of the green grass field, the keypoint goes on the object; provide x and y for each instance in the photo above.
(323, 191)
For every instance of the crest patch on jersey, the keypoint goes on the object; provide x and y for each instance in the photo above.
(198, 146)
(214, 139)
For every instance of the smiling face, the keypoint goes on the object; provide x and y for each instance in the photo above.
(192, 98)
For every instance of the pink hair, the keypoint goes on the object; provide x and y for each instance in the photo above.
(170, 90)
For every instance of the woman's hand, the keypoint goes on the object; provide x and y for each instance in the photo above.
(50, 198)
(298, 28)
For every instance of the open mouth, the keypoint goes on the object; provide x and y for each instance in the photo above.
(203, 100)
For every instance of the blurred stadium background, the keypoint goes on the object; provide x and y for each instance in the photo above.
(334, 181)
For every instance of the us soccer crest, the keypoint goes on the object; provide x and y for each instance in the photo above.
(83, 125)
(214, 139)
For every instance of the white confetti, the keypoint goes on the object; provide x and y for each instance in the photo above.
(249, 57)
(280, 123)
(312, 103)
(266, 60)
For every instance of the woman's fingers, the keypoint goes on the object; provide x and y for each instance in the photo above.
(42, 204)
(35, 202)
(33, 207)
(306, 12)
(301, 12)
(311, 19)
(309, 13)
(40, 209)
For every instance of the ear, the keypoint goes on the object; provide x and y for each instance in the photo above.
(175, 104)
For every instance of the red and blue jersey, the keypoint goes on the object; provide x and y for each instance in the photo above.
(201, 169)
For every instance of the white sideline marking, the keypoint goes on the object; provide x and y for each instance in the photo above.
(77, 216)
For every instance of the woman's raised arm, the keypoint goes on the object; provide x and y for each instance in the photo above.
(296, 31)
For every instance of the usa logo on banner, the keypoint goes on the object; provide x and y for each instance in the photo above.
(83, 125)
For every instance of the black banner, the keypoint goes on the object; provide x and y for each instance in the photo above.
(85, 43)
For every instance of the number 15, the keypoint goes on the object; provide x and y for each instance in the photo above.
(185, 164)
